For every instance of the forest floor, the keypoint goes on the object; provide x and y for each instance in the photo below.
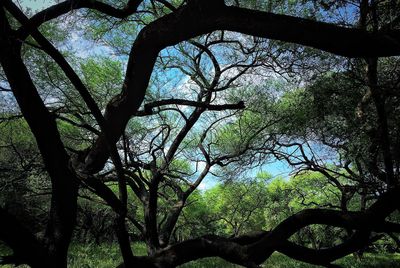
(108, 256)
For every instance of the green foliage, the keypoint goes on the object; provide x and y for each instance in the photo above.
(324, 109)
(279, 197)
(180, 166)
(21, 173)
(103, 77)
(238, 206)
(304, 191)
(24, 183)
(108, 256)
(196, 219)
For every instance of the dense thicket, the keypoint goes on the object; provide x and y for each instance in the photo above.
(149, 121)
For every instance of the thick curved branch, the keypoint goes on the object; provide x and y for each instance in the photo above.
(348, 42)
(200, 17)
(253, 249)
(370, 220)
(65, 7)
(325, 256)
(196, 19)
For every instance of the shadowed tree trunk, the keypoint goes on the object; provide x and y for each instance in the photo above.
(62, 215)
(194, 18)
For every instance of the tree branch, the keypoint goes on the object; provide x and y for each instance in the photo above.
(148, 107)
(65, 7)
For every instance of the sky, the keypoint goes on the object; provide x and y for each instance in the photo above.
(276, 168)
(35, 5)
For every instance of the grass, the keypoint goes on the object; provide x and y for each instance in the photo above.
(108, 256)
(372, 261)
(280, 261)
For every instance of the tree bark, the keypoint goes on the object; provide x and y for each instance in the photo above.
(43, 126)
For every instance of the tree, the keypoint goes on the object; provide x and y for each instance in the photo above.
(171, 24)
(238, 218)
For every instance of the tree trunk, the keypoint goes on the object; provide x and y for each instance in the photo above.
(64, 183)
